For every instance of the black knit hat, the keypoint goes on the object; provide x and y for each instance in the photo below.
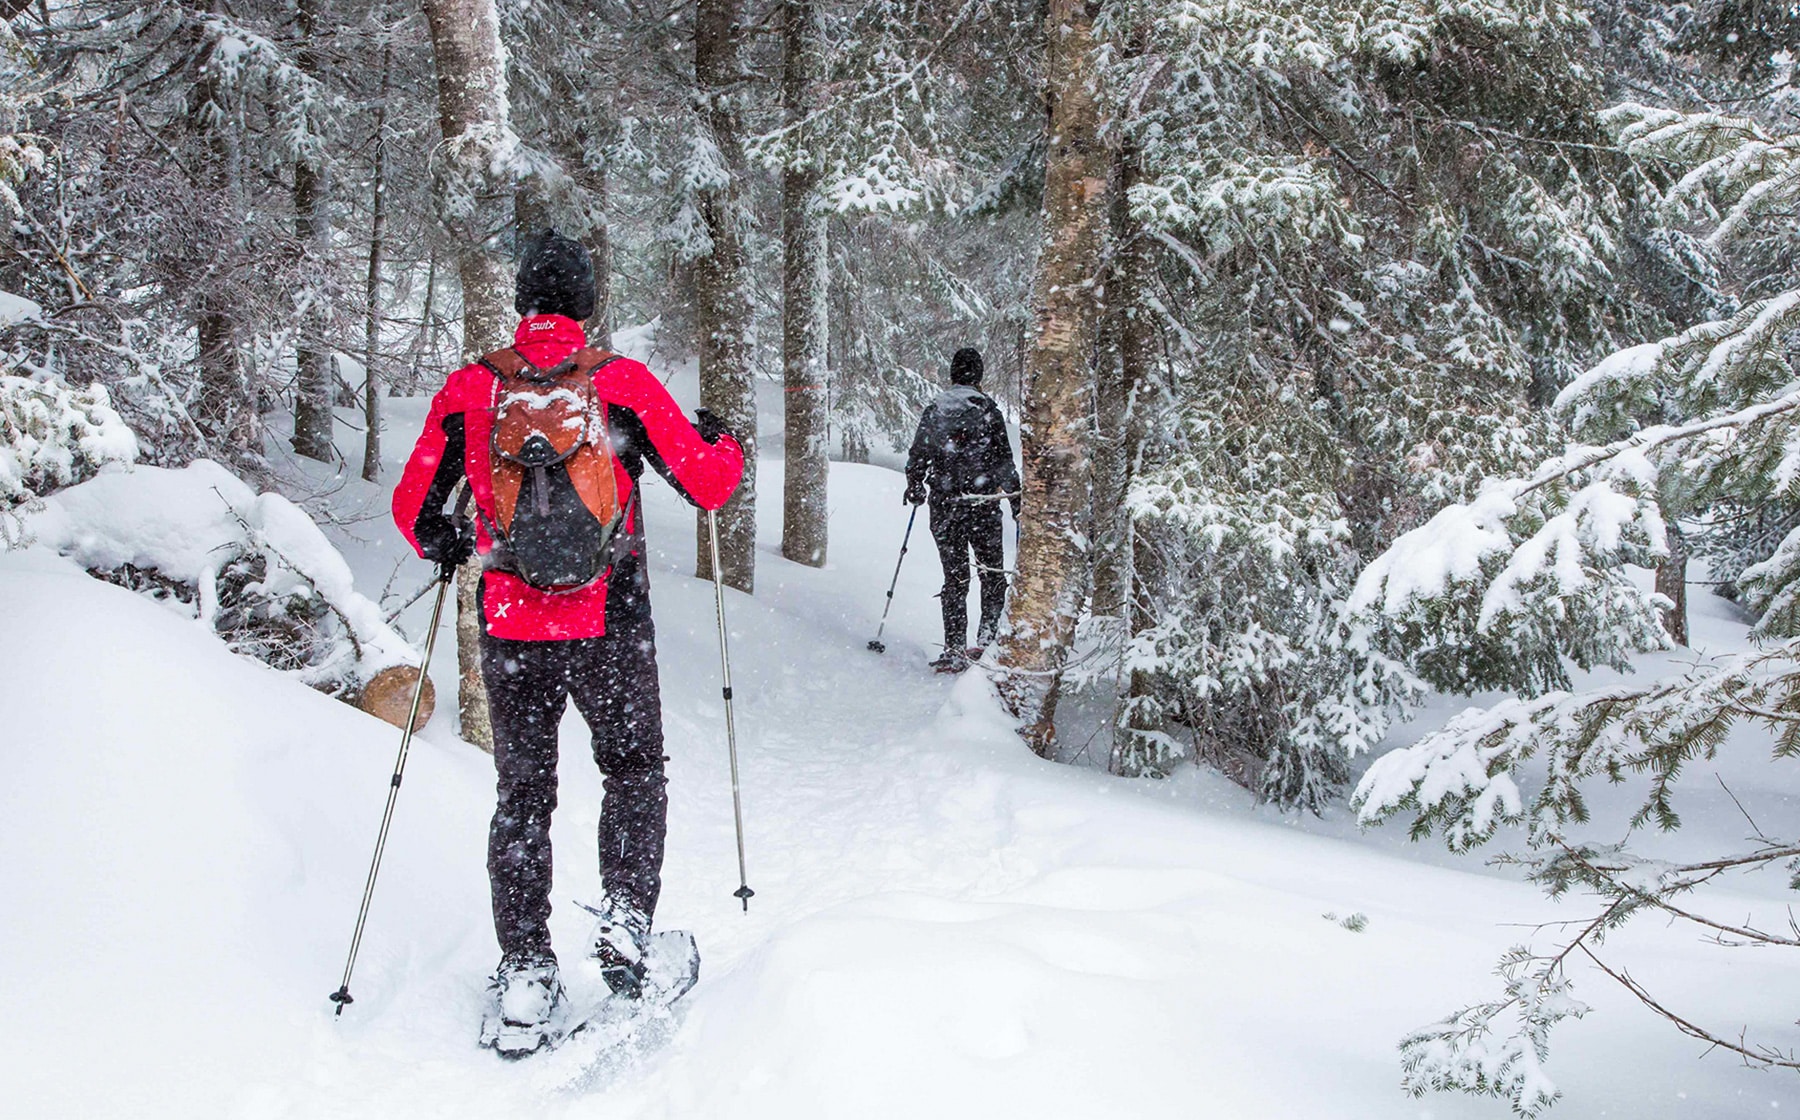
(965, 367)
(556, 277)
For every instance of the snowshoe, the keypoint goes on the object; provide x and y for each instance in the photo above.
(951, 661)
(614, 1022)
(525, 1010)
(973, 653)
(620, 942)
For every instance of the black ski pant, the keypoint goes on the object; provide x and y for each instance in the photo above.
(960, 526)
(613, 682)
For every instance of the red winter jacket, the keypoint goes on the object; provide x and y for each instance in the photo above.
(644, 423)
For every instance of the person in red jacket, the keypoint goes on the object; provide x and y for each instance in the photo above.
(593, 643)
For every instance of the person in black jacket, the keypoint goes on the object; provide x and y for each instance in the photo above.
(962, 455)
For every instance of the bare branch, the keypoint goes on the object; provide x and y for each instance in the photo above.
(1762, 1055)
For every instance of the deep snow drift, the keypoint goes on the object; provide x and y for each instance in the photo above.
(944, 925)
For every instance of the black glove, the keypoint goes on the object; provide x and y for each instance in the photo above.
(710, 427)
(446, 541)
(1015, 509)
(915, 493)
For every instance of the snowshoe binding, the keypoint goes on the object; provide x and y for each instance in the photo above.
(525, 1008)
(620, 943)
(951, 661)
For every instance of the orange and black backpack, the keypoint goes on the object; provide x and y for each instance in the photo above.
(556, 502)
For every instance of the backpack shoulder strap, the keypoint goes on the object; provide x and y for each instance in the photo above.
(509, 363)
(589, 360)
(505, 363)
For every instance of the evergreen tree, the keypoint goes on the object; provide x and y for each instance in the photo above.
(1363, 275)
(1698, 429)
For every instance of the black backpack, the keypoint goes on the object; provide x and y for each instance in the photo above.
(557, 516)
(965, 459)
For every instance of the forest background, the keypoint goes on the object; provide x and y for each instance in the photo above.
(1359, 349)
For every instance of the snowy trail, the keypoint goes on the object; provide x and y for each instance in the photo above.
(943, 925)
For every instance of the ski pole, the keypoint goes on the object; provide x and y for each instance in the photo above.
(737, 805)
(341, 997)
(875, 642)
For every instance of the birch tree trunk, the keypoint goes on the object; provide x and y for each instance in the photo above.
(720, 289)
(474, 193)
(1057, 429)
(475, 186)
(805, 291)
(312, 231)
(371, 470)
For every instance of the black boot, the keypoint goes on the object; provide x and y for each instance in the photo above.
(620, 940)
(526, 1011)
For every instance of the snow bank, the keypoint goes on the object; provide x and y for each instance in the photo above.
(189, 525)
(944, 925)
(184, 837)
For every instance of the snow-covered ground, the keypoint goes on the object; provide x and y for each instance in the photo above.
(944, 925)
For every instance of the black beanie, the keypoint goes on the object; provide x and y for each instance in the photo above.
(556, 277)
(965, 367)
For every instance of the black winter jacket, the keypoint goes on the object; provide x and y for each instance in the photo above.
(961, 447)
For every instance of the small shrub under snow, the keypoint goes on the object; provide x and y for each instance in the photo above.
(253, 567)
(53, 436)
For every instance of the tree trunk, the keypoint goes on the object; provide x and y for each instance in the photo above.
(312, 231)
(474, 193)
(1112, 566)
(1124, 372)
(474, 189)
(1139, 744)
(531, 211)
(805, 291)
(598, 239)
(535, 210)
(371, 470)
(422, 342)
(727, 386)
(226, 410)
(471, 694)
(1671, 582)
(1057, 429)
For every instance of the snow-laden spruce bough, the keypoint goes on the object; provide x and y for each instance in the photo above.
(1691, 435)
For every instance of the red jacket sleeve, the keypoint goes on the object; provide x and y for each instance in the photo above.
(422, 465)
(709, 472)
